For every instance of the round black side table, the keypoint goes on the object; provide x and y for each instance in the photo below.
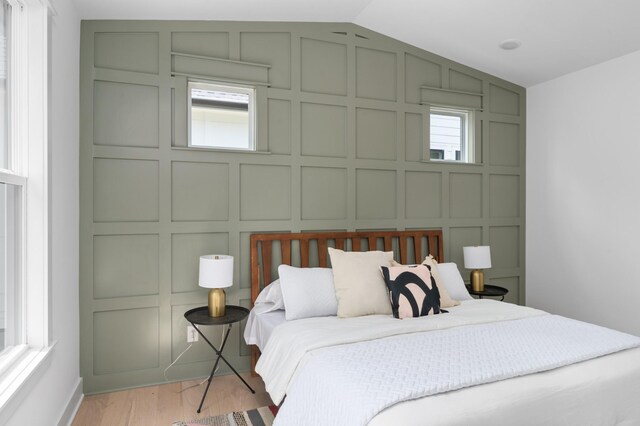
(200, 316)
(489, 291)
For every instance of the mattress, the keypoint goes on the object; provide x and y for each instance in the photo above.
(260, 326)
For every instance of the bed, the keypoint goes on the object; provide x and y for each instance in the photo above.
(299, 355)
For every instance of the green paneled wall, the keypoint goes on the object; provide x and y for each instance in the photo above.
(342, 139)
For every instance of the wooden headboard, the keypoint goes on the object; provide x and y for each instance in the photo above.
(310, 249)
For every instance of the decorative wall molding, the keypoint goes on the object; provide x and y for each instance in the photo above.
(339, 114)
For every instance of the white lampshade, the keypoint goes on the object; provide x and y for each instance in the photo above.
(216, 271)
(477, 257)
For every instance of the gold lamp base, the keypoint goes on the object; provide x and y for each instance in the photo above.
(476, 278)
(217, 302)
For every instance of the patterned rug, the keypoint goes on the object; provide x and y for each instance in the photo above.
(262, 416)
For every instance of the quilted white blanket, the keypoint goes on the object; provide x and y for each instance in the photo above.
(350, 384)
(292, 341)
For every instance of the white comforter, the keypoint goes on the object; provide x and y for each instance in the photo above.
(285, 355)
(291, 341)
(348, 385)
(603, 391)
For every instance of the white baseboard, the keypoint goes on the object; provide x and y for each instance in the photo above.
(72, 406)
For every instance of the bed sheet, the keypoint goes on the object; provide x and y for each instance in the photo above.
(260, 326)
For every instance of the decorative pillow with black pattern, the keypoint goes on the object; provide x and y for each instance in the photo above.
(412, 290)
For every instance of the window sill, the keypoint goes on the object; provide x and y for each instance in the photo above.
(219, 150)
(9, 358)
(20, 379)
(452, 162)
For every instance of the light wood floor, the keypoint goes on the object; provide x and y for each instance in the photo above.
(164, 404)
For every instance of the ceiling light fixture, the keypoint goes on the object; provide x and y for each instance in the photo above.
(510, 44)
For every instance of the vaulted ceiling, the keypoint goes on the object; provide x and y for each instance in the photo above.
(557, 36)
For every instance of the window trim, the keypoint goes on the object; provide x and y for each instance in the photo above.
(28, 127)
(236, 88)
(467, 148)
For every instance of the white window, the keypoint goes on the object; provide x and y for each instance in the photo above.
(11, 335)
(5, 65)
(451, 135)
(12, 187)
(24, 339)
(221, 116)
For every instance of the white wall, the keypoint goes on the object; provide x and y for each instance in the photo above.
(583, 194)
(60, 383)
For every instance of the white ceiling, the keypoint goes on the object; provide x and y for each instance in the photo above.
(558, 36)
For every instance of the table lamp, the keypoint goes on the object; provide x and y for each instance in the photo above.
(477, 258)
(216, 273)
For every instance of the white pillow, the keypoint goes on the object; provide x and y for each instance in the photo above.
(270, 299)
(307, 292)
(446, 300)
(452, 280)
(360, 287)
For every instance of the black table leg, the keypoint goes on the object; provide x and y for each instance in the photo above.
(215, 365)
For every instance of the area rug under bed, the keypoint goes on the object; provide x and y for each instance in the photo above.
(262, 416)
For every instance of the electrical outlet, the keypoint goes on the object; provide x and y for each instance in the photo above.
(192, 334)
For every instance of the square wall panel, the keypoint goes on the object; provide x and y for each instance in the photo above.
(503, 101)
(413, 137)
(125, 114)
(376, 74)
(460, 237)
(279, 135)
(423, 195)
(186, 250)
(265, 192)
(465, 195)
(214, 45)
(375, 134)
(504, 144)
(510, 283)
(505, 246)
(125, 340)
(125, 190)
(136, 52)
(199, 191)
(324, 130)
(272, 49)
(323, 67)
(125, 265)
(504, 196)
(419, 72)
(324, 193)
(376, 194)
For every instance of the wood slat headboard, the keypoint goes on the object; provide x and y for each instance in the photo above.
(306, 249)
